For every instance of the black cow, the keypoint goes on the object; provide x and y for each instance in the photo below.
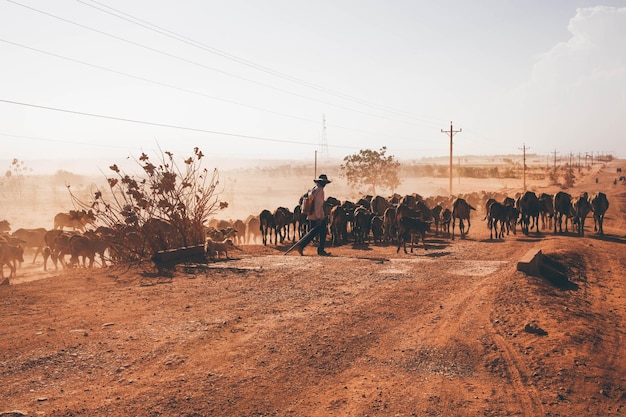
(409, 227)
(562, 207)
(582, 207)
(461, 210)
(446, 217)
(529, 209)
(362, 224)
(283, 218)
(267, 225)
(338, 225)
(600, 205)
(546, 210)
(497, 213)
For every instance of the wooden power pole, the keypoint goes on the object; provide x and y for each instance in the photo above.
(524, 149)
(452, 132)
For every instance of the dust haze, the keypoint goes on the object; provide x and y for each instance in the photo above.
(45, 188)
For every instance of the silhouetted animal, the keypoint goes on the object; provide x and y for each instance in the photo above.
(409, 227)
(600, 205)
(267, 225)
(461, 210)
(529, 209)
(76, 219)
(31, 238)
(582, 207)
(562, 207)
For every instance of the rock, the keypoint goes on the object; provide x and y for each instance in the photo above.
(533, 328)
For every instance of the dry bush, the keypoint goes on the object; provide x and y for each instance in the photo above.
(164, 208)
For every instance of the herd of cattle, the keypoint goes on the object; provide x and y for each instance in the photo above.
(51, 244)
(396, 219)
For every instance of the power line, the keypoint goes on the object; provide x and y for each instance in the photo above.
(162, 84)
(149, 48)
(159, 83)
(215, 132)
(65, 141)
(181, 38)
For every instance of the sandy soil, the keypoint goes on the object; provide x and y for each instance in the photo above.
(454, 330)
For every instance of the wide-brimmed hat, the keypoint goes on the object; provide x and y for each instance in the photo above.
(322, 179)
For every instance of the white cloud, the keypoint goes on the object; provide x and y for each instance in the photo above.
(577, 95)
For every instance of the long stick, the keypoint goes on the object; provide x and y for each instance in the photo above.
(309, 233)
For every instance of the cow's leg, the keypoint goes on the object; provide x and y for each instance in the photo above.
(453, 221)
(38, 251)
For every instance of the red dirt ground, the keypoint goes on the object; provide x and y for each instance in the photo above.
(453, 330)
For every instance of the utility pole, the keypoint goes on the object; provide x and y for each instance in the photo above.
(524, 149)
(554, 160)
(452, 132)
(324, 139)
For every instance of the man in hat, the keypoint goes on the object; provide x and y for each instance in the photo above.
(316, 217)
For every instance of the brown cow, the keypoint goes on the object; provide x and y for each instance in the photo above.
(57, 246)
(76, 219)
(81, 246)
(32, 238)
(100, 243)
(379, 204)
(240, 227)
(161, 234)
(253, 229)
(10, 255)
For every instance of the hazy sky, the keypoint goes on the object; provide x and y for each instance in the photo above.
(255, 78)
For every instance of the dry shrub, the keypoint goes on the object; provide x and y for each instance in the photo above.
(163, 208)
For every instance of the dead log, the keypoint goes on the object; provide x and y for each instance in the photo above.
(172, 257)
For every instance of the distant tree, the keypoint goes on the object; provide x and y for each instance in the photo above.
(62, 177)
(373, 168)
(569, 178)
(15, 175)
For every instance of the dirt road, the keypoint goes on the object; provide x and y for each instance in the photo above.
(454, 330)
